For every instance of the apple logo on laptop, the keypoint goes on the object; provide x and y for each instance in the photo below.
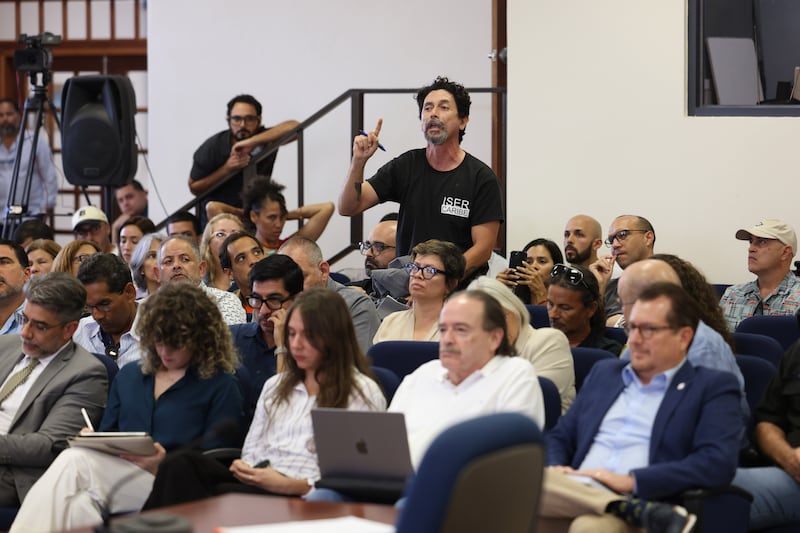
(361, 446)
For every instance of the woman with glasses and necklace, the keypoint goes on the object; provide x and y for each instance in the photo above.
(435, 269)
(575, 307)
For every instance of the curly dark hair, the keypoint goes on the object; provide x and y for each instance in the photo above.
(460, 95)
(701, 291)
(259, 190)
(329, 328)
(181, 315)
(245, 99)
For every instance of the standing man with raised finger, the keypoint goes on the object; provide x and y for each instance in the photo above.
(444, 193)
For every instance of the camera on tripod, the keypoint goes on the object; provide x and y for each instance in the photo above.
(35, 57)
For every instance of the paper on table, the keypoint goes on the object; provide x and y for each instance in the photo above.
(351, 524)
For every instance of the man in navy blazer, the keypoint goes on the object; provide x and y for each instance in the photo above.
(643, 431)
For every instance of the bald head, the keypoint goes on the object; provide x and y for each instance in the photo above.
(640, 275)
(382, 236)
(583, 236)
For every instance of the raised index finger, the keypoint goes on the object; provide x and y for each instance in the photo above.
(378, 127)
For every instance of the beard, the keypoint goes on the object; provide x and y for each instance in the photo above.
(8, 129)
(436, 139)
(576, 257)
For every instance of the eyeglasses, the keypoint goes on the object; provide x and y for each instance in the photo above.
(645, 330)
(427, 272)
(273, 302)
(103, 307)
(247, 119)
(85, 229)
(38, 326)
(572, 275)
(81, 258)
(377, 247)
(621, 235)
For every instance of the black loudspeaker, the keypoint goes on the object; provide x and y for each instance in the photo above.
(97, 130)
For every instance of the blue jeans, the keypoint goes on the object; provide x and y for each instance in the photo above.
(776, 495)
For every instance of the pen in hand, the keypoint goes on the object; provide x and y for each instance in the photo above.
(365, 134)
(87, 420)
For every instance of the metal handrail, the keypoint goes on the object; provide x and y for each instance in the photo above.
(356, 96)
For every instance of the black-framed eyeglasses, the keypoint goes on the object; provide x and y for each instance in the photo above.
(427, 272)
(571, 274)
(103, 307)
(377, 247)
(621, 235)
(273, 302)
(247, 119)
(645, 330)
(81, 258)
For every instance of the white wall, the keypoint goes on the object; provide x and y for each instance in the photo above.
(295, 57)
(598, 124)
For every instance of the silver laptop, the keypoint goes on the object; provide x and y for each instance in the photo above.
(362, 454)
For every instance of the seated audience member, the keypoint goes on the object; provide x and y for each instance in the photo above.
(144, 265)
(316, 273)
(631, 239)
(14, 273)
(91, 224)
(274, 283)
(324, 368)
(31, 230)
(583, 236)
(132, 201)
(643, 431)
(528, 281)
(55, 378)
(217, 230)
(776, 289)
(41, 254)
(378, 250)
(546, 348)
(111, 301)
(181, 393)
(435, 270)
(72, 254)
(237, 255)
(776, 489)
(575, 307)
(186, 224)
(708, 348)
(179, 262)
(265, 208)
(131, 232)
(702, 292)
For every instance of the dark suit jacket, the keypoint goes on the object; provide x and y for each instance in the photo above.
(695, 439)
(51, 410)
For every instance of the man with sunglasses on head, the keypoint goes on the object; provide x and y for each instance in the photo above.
(231, 150)
(575, 308)
(274, 282)
(631, 239)
(110, 327)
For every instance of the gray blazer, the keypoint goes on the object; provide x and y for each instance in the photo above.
(51, 411)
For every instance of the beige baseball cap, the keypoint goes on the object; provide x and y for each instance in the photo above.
(89, 213)
(771, 229)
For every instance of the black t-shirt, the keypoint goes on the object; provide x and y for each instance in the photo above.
(212, 154)
(781, 402)
(438, 205)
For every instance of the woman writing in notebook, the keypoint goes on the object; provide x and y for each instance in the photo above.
(324, 367)
(183, 393)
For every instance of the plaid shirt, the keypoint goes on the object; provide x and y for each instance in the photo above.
(743, 301)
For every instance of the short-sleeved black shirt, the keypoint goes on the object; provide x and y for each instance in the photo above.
(781, 402)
